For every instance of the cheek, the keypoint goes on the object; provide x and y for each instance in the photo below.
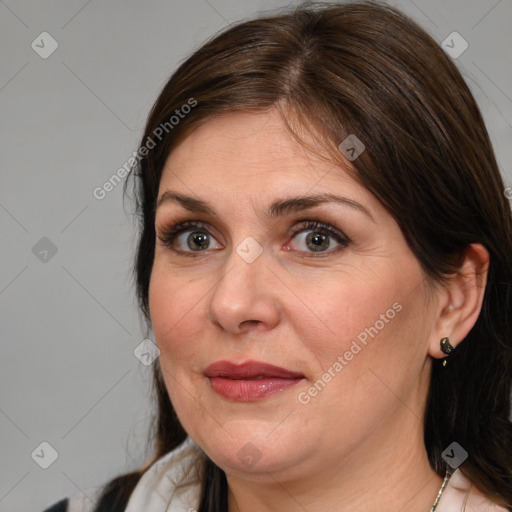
(368, 352)
(370, 320)
(176, 310)
(343, 311)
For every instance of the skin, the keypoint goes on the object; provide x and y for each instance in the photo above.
(300, 309)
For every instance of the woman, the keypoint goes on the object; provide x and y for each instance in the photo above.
(325, 261)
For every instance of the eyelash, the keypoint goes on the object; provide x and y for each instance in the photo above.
(168, 235)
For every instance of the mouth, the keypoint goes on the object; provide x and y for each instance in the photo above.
(249, 381)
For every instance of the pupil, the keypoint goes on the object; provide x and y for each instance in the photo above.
(318, 240)
(198, 240)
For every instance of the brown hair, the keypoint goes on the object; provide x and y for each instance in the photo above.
(365, 68)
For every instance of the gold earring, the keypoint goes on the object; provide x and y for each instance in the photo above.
(446, 348)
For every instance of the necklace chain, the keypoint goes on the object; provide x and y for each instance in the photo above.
(445, 481)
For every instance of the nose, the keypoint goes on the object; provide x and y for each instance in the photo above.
(245, 297)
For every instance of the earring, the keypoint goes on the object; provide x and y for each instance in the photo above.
(446, 348)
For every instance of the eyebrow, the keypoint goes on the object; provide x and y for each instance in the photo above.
(278, 208)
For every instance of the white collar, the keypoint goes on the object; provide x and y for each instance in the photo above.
(172, 483)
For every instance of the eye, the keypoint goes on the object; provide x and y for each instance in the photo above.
(192, 238)
(316, 237)
(188, 237)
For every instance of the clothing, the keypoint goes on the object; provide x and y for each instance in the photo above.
(158, 489)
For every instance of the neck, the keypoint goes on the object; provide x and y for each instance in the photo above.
(389, 472)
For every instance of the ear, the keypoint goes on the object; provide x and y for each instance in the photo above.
(460, 300)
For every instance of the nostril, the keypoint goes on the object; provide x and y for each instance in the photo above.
(249, 322)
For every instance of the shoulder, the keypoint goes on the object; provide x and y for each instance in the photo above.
(60, 506)
(461, 494)
(110, 497)
(175, 477)
(80, 501)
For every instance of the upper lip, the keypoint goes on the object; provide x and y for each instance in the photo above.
(248, 370)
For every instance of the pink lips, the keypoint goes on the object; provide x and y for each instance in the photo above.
(250, 381)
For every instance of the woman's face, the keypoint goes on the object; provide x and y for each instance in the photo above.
(287, 261)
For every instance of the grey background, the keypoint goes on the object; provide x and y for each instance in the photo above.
(68, 375)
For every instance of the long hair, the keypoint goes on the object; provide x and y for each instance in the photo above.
(364, 68)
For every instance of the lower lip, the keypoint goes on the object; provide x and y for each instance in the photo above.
(247, 390)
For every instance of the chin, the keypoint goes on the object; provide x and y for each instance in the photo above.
(250, 450)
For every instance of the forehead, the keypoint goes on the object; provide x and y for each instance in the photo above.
(251, 149)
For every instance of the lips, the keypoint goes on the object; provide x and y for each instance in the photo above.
(249, 381)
